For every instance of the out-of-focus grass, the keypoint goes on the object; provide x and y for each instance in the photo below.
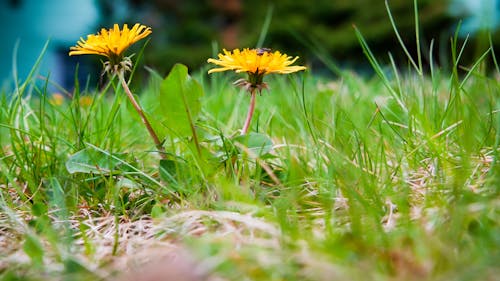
(373, 186)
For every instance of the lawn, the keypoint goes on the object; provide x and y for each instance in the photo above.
(389, 177)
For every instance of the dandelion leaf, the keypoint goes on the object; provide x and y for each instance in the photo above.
(180, 101)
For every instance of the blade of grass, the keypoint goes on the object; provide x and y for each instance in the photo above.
(265, 26)
(418, 67)
(378, 69)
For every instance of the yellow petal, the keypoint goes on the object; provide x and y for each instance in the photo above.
(110, 42)
(254, 61)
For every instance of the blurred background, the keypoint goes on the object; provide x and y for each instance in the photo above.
(190, 31)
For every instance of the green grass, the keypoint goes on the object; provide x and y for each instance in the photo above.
(395, 177)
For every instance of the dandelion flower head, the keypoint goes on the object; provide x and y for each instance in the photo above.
(255, 61)
(111, 43)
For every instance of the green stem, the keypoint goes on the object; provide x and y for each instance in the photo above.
(139, 110)
(251, 109)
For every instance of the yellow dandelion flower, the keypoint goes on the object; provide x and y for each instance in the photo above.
(256, 63)
(85, 101)
(56, 99)
(111, 43)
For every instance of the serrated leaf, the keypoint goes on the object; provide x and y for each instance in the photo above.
(179, 101)
(90, 160)
(257, 144)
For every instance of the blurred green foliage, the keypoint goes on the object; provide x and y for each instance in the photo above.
(189, 29)
(330, 23)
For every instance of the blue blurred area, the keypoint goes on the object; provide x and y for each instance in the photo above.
(32, 23)
(476, 15)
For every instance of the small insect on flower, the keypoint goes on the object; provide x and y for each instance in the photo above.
(261, 51)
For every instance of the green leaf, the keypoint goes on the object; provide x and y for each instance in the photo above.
(90, 160)
(157, 210)
(179, 101)
(39, 208)
(56, 196)
(174, 172)
(57, 200)
(257, 145)
(168, 170)
(33, 248)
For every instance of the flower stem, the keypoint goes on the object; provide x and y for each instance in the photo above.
(139, 110)
(251, 109)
